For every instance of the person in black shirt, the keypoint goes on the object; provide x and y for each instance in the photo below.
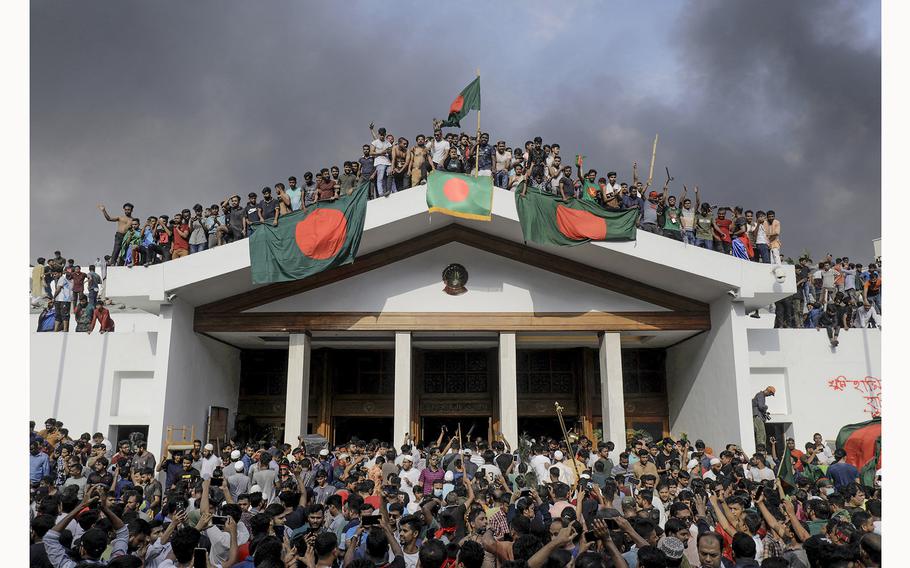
(829, 321)
(269, 206)
(453, 162)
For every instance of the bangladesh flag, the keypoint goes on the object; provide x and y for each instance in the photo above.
(460, 195)
(468, 99)
(785, 471)
(863, 444)
(309, 241)
(546, 220)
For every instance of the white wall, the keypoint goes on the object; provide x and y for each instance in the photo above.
(92, 382)
(495, 284)
(804, 369)
(200, 371)
(164, 375)
(708, 381)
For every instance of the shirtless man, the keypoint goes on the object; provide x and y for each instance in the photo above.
(401, 161)
(123, 223)
(419, 161)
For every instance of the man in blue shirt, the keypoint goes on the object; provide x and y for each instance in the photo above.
(841, 472)
(38, 465)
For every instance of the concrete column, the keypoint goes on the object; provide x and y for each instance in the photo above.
(508, 388)
(297, 402)
(612, 401)
(402, 416)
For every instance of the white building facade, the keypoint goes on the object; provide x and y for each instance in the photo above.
(651, 335)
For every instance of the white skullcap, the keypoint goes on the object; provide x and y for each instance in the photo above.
(238, 467)
(235, 455)
(323, 452)
(557, 455)
(209, 447)
(450, 476)
(255, 489)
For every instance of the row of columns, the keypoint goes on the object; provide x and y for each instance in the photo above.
(609, 353)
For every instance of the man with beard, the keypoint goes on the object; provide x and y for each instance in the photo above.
(419, 161)
(484, 153)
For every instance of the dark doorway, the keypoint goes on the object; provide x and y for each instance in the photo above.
(780, 431)
(362, 427)
(430, 426)
(133, 433)
(538, 427)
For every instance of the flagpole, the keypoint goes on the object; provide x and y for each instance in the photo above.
(476, 150)
(653, 155)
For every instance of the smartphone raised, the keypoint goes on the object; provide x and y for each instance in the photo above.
(370, 521)
(590, 536)
(759, 492)
(219, 521)
(200, 558)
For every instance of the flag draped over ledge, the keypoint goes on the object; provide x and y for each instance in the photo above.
(460, 195)
(547, 220)
(309, 241)
(467, 99)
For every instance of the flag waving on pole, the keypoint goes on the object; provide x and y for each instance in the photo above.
(468, 99)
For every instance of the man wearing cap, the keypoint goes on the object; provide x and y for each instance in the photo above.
(760, 414)
(208, 462)
(714, 472)
(649, 213)
(566, 473)
(673, 549)
(237, 480)
(409, 476)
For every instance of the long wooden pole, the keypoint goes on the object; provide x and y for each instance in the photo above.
(477, 148)
(653, 155)
(565, 435)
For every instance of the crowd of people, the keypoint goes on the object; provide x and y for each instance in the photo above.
(834, 294)
(393, 164)
(60, 287)
(447, 502)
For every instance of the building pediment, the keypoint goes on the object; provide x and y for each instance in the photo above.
(510, 286)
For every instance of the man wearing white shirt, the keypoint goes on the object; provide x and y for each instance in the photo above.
(439, 149)
(541, 464)
(208, 462)
(409, 476)
(758, 471)
(566, 474)
(824, 454)
(381, 150)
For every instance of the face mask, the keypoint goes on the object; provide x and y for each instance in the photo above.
(829, 490)
(437, 492)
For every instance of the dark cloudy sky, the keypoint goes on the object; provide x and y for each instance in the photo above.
(169, 103)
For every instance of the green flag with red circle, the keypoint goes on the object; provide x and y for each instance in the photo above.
(863, 444)
(548, 220)
(467, 99)
(306, 242)
(460, 195)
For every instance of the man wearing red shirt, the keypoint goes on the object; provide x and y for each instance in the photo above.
(722, 225)
(103, 317)
(326, 187)
(181, 246)
(78, 278)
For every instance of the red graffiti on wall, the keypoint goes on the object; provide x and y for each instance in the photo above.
(870, 387)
